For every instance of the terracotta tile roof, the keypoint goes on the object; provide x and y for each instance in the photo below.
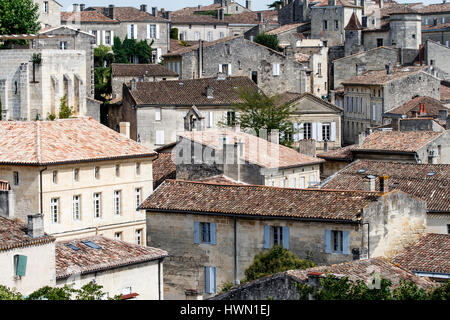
(163, 168)
(445, 92)
(353, 23)
(140, 70)
(363, 269)
(301, 57)
(431, 27)
(431, 254)
(287, 97)
(13, 234)
(176, 45)
(191, 92)
(196, 19)
(252, 17)
(257, 201)
(64, 141)
(432, 107)
(435, 8)
(220, 179)
(393, 8)
(380, 77)
(341, 154)
(411, 178)
(397, 141)
(86, 16)
(286, 27)
(385, 26)
(113, 254)
(194, 46)
(346, 3)
(256, 150)
(130, 14)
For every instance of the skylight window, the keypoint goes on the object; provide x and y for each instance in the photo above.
(92, 245)
(430, 174)
(71, 246)
(362, 170)
(370, 176)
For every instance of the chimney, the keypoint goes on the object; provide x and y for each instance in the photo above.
(369, 183)
(422, 109)
(110, 11)
(35, 227)
(384, 183)
(220, 14)
(388, 68)
(380, 4)
(143, 7)
(289, 51)
(325, 145)
(82, 7)
(167, 15)
(200, 58)
(443, 114)
(332, 97)
(209, 92)
(395, 124)
(260, 16)
(248, 5)
(75, 7)
(125, 129)
(154, 11)
(274, 136)
(133, 84)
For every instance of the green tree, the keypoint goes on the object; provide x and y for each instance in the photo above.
(174, 33)
(103, 56)
(64, 110)
(8, 294)
(275, 4)
(268, 40)
(275, 260)
(441, 293)
(258, 111)
(19, 17)
(103, 86)
(126, 51)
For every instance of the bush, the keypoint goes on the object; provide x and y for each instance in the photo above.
(174, 33)
(268, 40)
(277, 259)
(64, 110)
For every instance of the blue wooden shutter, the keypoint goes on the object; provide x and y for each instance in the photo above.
(213, 279)
(207, 279)
(196, 232)
(286, 237)
(346, 242)
(266, 237)
(213, 233)
(21, 265)
(210, 279)
(327, 241)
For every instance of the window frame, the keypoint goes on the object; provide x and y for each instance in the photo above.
(337, 235)
(54, 203)
(137, 197)
(117, 202)
(205, 230)
(16, 178)
(76, 203)
(97, 202)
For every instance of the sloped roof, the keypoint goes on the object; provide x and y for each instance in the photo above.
(196, 19)
(293, 97)
(286, 27)
(435, 8)
(195, 45)
(432, 106)
(251, 17)
(258, 201)
(112, 254)
(430, 254)
(163, 168)
(381, 77)
(397, 141)
(445, 92)
(191, 92)
(353, 23)
(64, 141)
(341, 154)
(86, 16)
(130, 14)
(140, 70)
(256, 150)
(13, 234)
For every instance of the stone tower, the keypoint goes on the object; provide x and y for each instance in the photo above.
(353, 36)
(405, 28)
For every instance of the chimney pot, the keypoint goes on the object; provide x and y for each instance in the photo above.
(35, 227)
(82, 7)
(370, 183)
(143, 7)
(154, 11)
(75, 7)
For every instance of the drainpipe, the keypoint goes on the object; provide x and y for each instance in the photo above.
(40, 189)
(368, 238)
(159, 279)
(236, 281)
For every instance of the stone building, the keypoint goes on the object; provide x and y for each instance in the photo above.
(243, 158)
(335, 160)
(289, 34)
(123, 22)
(424, 181)
(85, 178)
(328, 20)
(199, 27)
(212, 242)
(251, 22)
(419, 107)
(439, 33)
(314, 118)
(27, 255)
(419, 145)
(49, 13)
(294, 11)
(272, 71)
(158, 110)
(369, 95)
(124, 73)
(428, 257)
(283, 286)
(129, 270)
(437, 56)
(435, 14)
(32, 90)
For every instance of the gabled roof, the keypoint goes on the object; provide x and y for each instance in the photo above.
(430, 254)
(190, 197)
(194, 47)
(353, 23)
(163, 168)
(415, 179)
(112, 254)
(140, 70)
(366, 52)
(191, 92)
(129, 14)
(64, 141)
(86, 16)
(341, 154)
(381, 77)
(397, 141)
(445, 91)
(294, 98)
(286, 27)
(432, 106)
(435, 8)
(196, 19)
(13, 234)
(256, 150)
(251, 17)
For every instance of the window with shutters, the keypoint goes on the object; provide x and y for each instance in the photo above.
(152, 31)
(97, 205)
(307, 127)
(107, 38)
(221, 35)
(292, 182)
(54, 209)
(337, 241)
(210, 36)
(20, 265)
(159, 137)
(231, 118)
(197, 35)
(326, 131)
(276, 69)
(205, 232)
(132, 31)
(224, 69)
(117, 196)
(277, 236)
(63, 45)
(76, 208)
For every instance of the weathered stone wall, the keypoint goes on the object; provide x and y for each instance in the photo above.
(438, 56)
(195, 32)
(51, 18)
(405, 30)
(294, 12)
(4, 204)
(440, 36)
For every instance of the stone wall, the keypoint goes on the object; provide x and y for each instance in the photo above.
(438, 56)
(296, 11)
(51, 18)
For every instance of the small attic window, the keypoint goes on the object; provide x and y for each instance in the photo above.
(362, 170)
(73, 247)
(430, 174)
(92, 245)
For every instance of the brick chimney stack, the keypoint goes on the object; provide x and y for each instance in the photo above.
(35, 227)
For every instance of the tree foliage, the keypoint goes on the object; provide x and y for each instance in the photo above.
(126, 51)
(9, 294)
(268, 40)
(103, 56)
(258, 111)
(277, 259)
(275, 4)
(333, 288)
(19, 17)
(103, 83)
(64, 110)
(174, 33)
